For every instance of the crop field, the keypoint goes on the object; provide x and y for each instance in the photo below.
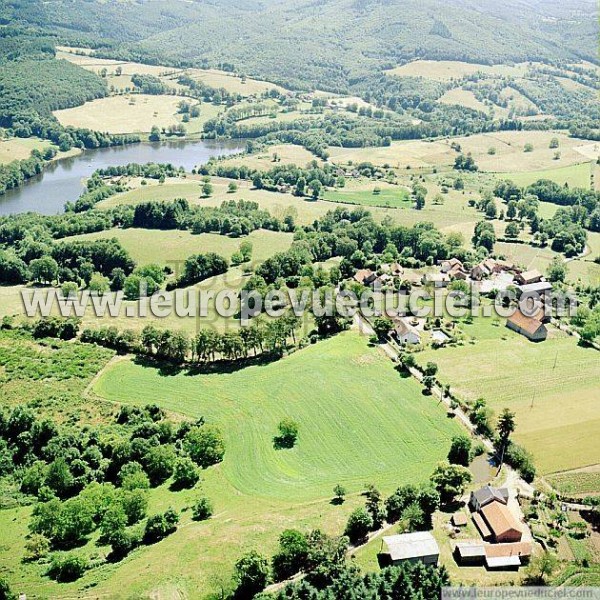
(582, 482)
(542, 383)
(123, 114)
(445, 70)
(173, 246)
(528, 256)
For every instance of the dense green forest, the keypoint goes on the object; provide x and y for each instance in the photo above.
(355, 37)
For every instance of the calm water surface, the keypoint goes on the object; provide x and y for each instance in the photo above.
(62, 181)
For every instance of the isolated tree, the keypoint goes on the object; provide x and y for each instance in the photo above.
(202, 509)
(382, 327)
(207, 189)
(99, 284)
(460, 450)
(339, 494)
(504, 428)
(511, 209)
(288, 434)
(316, 187)
(431, 369)
(358, 526)
(512, 230)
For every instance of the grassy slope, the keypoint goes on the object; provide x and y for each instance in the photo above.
(360, 421)
(358, 418)
(167, 247)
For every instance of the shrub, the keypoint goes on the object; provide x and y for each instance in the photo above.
(202, 509)
(186, 474)
(160, 526)
(67, 568)
(288, 434)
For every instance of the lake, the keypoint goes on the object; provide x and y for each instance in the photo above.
(62, 180)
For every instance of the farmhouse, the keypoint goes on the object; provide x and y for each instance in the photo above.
(412, 547)
(365, 276)
(394, 269)
(541, 288)
(493, 556)
(532, 328)
(448, 265)
(500, 521)
(437, 279)
(405, 333)
(527, 277)
(485, 495)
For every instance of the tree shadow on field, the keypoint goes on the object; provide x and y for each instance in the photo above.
(168, 369)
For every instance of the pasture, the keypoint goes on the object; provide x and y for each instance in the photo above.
(20, 148)
(231, 82)
(577, 175)
(542, 383)
(510, 155)
(465, 98)
(171, 247)
(287, 154)
(388, 196)
(359, 419)
(446, 70)
(123, 114)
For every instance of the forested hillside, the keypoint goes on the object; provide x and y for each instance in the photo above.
(320, 44)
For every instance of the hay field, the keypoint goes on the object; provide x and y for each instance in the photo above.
(465, 98)
(287, 154)
(20, 148)
(123, 114)
(556, 407)
(445, 70)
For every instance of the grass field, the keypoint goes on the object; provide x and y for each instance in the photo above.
(556, 406)
(173, 246)
(359, 419)
(464, 98)
(444, 70)
(123, 114)
(575, 175)
(20, 148)
(389, 197)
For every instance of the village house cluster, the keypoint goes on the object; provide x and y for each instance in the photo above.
(487, 277)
